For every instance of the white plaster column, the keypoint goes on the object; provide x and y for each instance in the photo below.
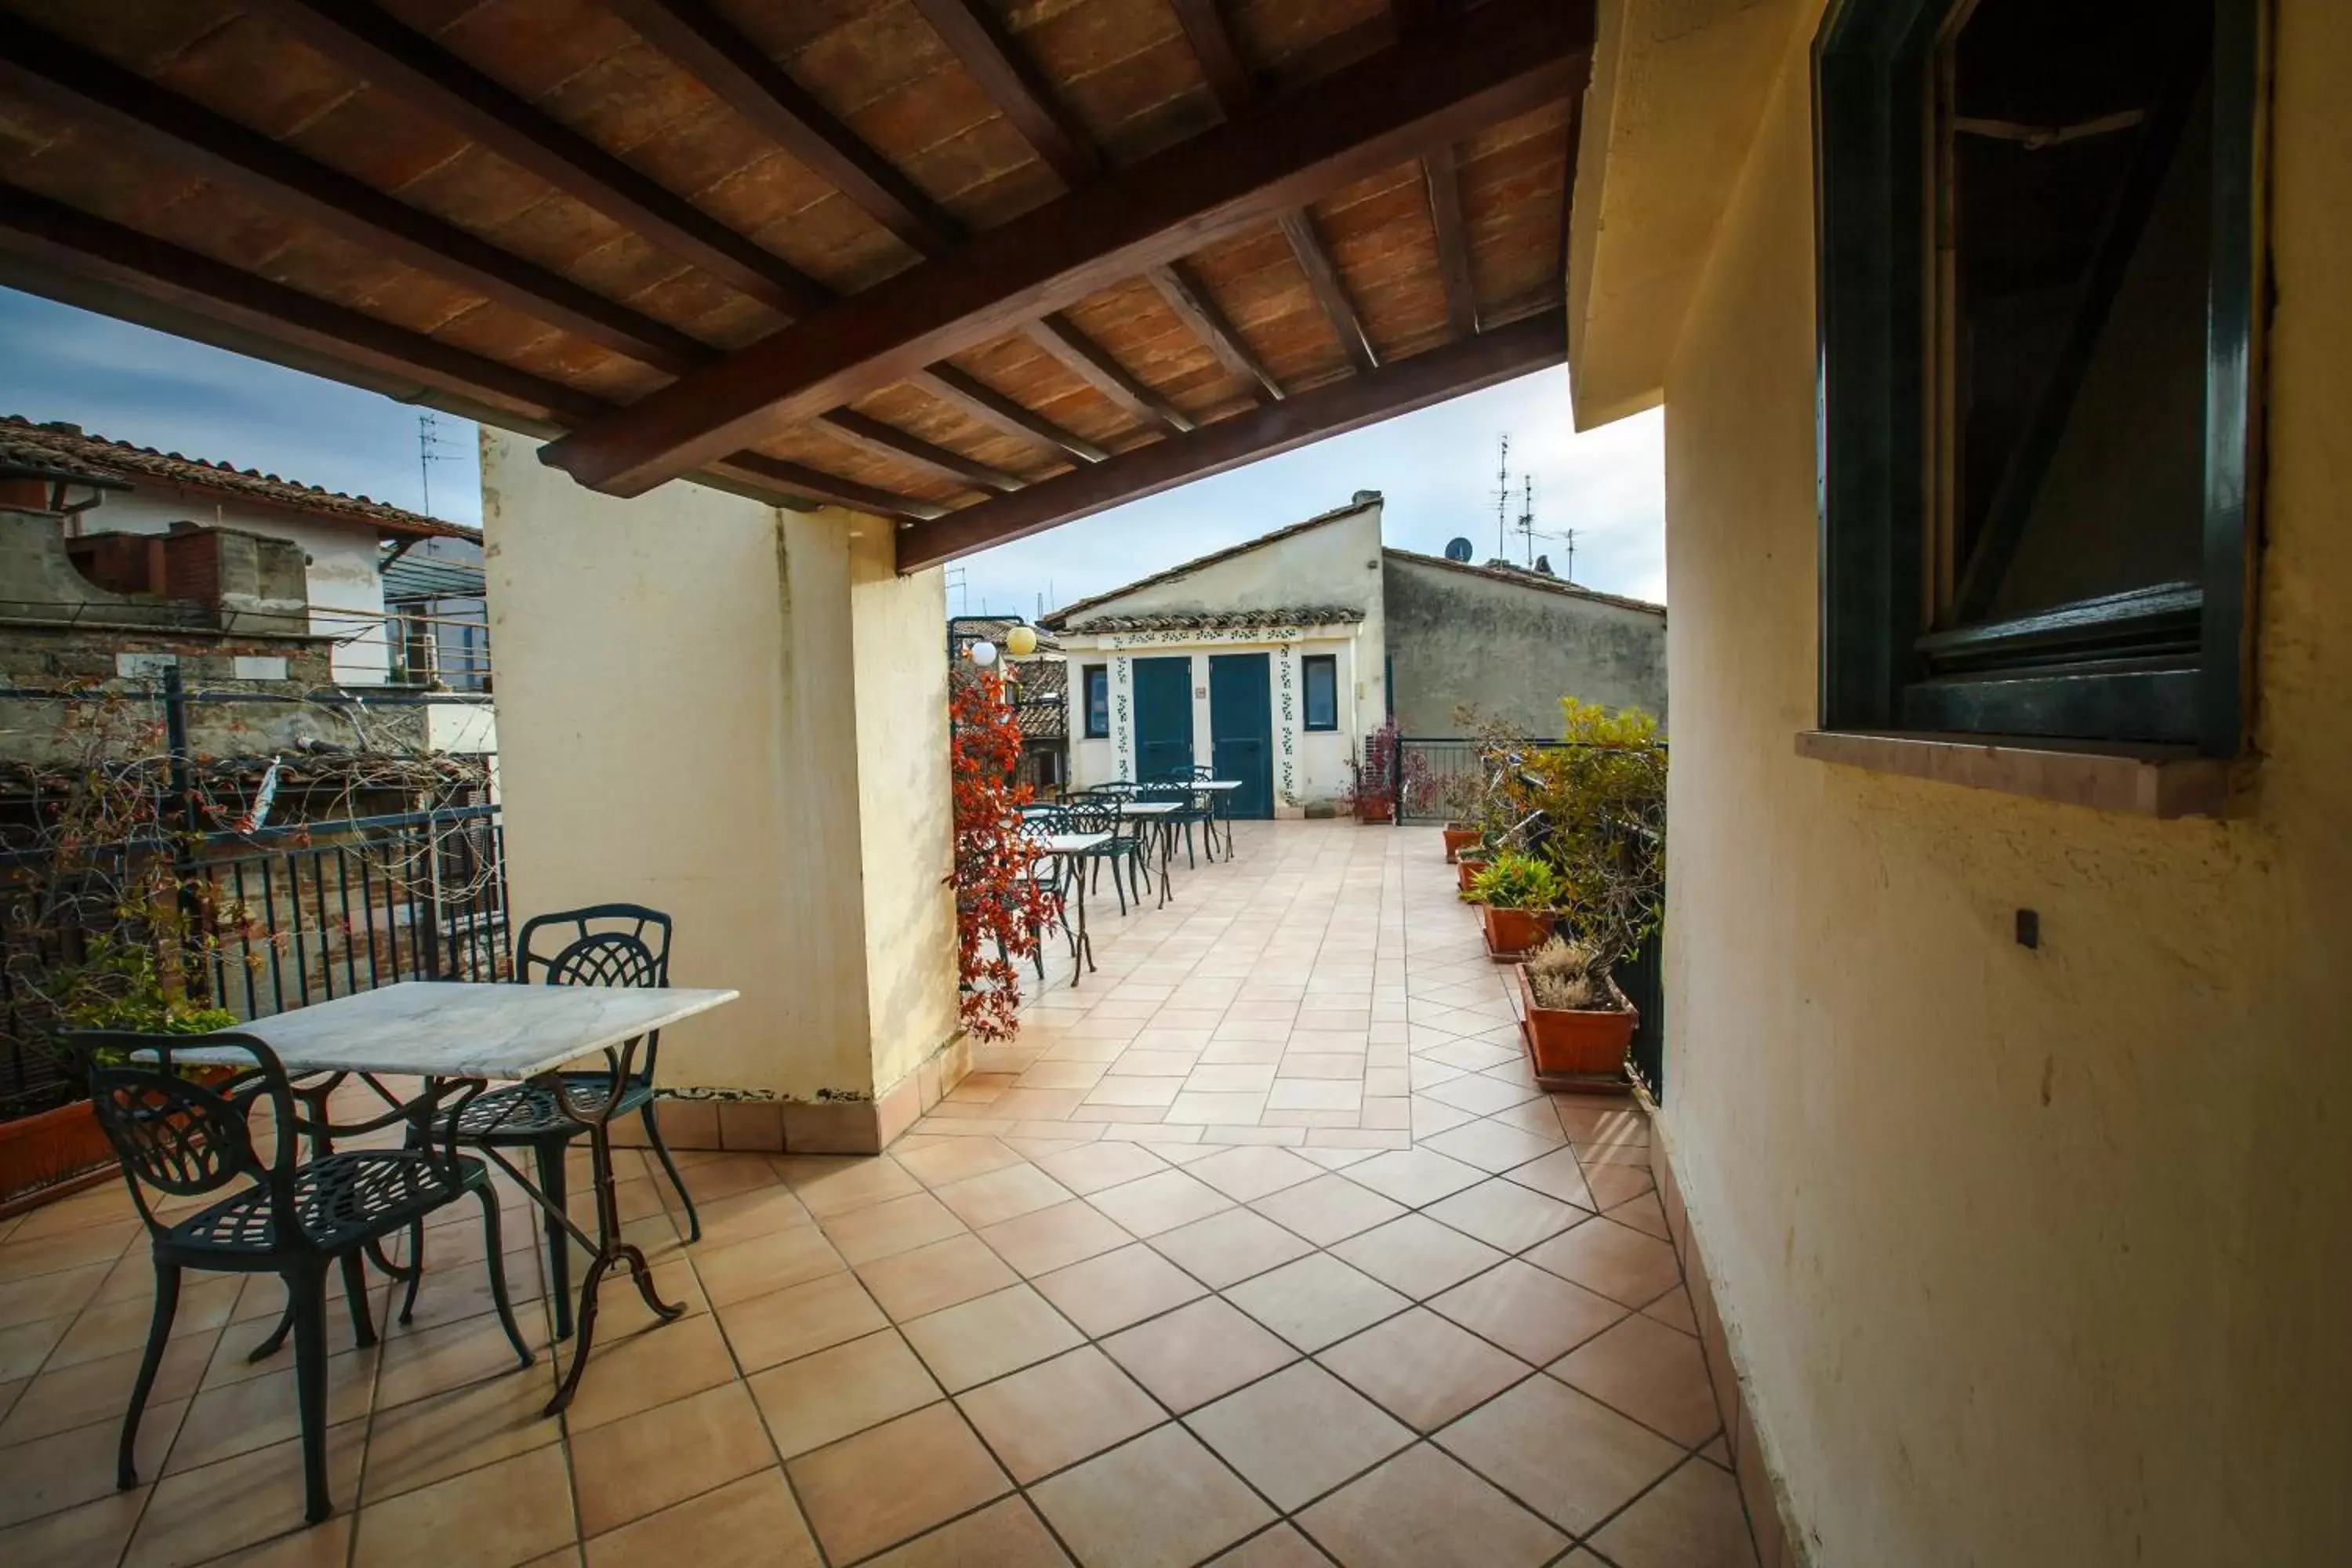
(736, 714)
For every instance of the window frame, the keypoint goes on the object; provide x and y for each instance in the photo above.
(1087, 675)
(2169, 663)
(1307, 665)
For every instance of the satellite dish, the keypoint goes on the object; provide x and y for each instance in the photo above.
(1458, 550)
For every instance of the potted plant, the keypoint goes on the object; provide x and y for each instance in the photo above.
(1604, 795)
(1578, 1025)
(117, 986)
(1372, 790)
(1518, 896)
(1460, 796)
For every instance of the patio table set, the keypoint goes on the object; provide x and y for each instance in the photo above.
(246, 1112)
(1127, 825)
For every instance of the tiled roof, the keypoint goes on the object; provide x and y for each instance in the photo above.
(1067, 616)
(1505, 571)
(22, 459)
(24, 440)
(1224, 620)
(1041, 708)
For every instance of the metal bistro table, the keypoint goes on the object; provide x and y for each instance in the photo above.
(1154, 815)
(1062, 846)
(1223, 790)
(458, 1035)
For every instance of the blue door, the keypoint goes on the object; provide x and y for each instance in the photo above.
(1164, 717)
(1240, 730)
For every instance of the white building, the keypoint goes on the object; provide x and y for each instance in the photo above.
(1271, 661)
(342, 536)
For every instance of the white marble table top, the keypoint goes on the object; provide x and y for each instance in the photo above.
(1216, 784)
(1069, 843)
(1148, 807)
(436, 1028)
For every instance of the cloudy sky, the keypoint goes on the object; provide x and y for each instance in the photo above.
(1436, 467)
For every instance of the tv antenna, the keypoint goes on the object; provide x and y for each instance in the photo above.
(1529, 533)
(428, 438)
(1503, 499)
(957, 585)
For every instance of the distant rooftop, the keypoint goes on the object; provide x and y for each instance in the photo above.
(44, 450)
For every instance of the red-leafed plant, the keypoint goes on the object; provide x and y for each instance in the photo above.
(1001, 909)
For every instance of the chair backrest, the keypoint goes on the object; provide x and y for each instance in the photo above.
(185, 1137)
(1098, 813)
(602, 945)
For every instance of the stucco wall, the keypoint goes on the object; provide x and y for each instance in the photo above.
(905, 806)
(346, 593)
(1513, 650)
(2032, 1257)
(680, 725)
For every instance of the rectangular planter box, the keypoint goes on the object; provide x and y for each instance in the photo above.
(1512, 934)
(41, 1153)
(1575, 1051)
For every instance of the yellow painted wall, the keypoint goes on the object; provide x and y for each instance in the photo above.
(2032, 1257)
(906, 807)
(680, 701)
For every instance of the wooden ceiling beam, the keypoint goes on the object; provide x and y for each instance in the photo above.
(69, 241)
(1060, 336)
(995, 60)
(1193, 306)
(714, 53)
(372, 44)
(782, 476)
(1501, 59)
(95, 91)
(1331, 292)
(871, 435)
(982, 401)
(1463, 366)
(1443, 177)
(1230, 78)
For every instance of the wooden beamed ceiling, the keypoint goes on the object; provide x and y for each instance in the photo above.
(902, 255)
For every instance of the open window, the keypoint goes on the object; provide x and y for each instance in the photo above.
(2038, 329)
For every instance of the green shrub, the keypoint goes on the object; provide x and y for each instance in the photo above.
(1513, 881)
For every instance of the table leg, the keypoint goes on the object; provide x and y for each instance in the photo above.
(1167, 842)
(611, 1248)
(1082, 946)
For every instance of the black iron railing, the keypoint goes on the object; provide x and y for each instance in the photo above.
(302, 915)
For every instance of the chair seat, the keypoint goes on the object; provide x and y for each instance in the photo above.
(527, 1112)
(340, 1200)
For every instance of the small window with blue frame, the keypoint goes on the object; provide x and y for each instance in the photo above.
(1097, 689)
(1322, 673)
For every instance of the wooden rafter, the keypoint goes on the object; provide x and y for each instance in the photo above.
(985, 403)
(372, 43)
(1060, 337)
(996, 62)
(1463, 366)
(1193, 306)
(1329, 290)
(871, 435)
(710, 48)
(95, 91)
(1204, 22)
(1443, 180)
(68, 240)
(1497, 61)
(65, 240)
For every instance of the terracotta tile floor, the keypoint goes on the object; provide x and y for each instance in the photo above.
(1257, 1247)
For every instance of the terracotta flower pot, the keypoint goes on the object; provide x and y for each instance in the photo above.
(45, 1149)
(1371, 811)
(1467, 870)
(1574, 1049)
(1514, 934)
(1457, 839)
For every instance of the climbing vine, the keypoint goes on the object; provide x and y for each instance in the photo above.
(1001, 912)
